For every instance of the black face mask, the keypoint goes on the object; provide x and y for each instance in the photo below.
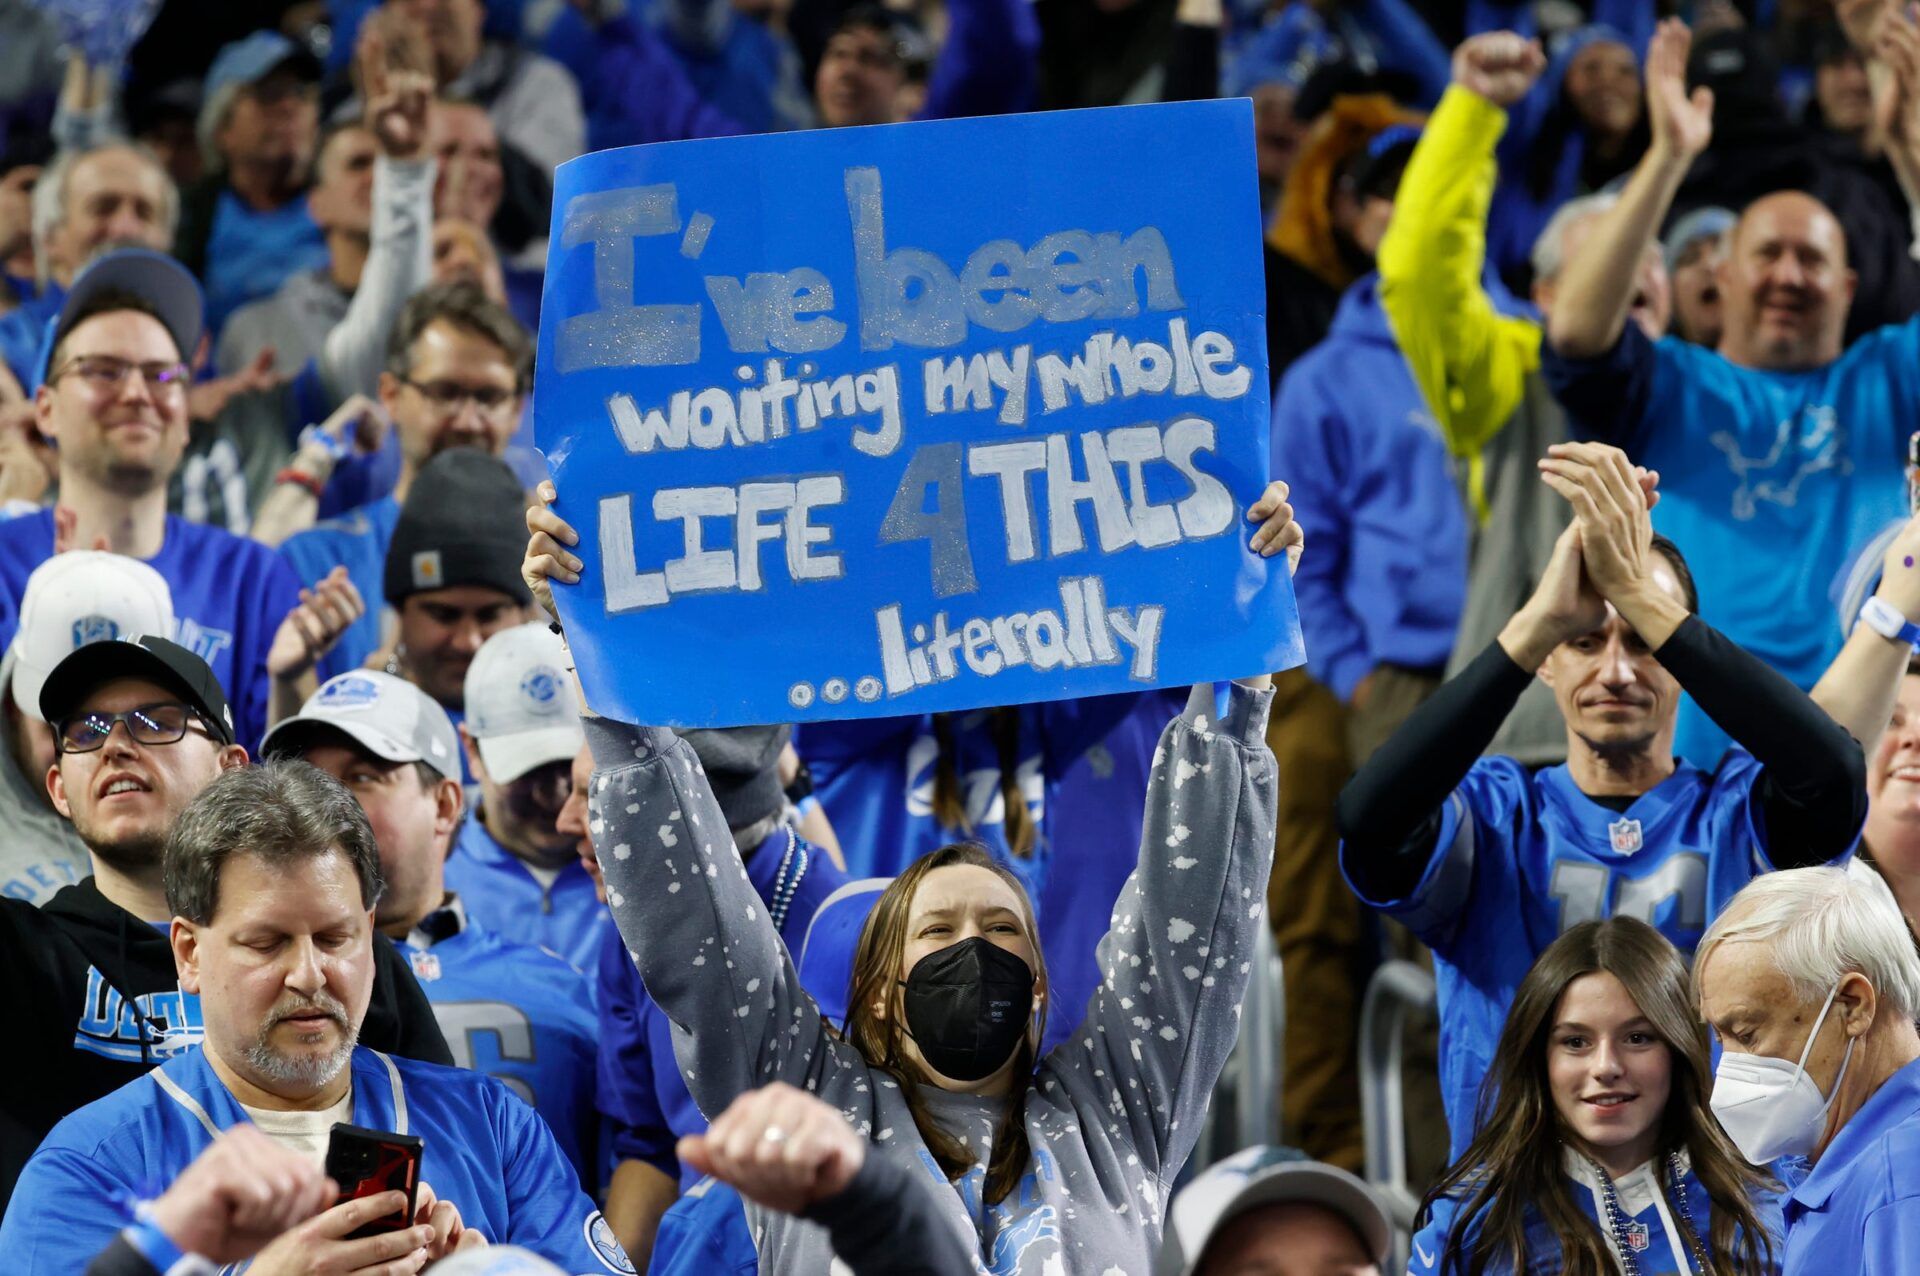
(968, 1006)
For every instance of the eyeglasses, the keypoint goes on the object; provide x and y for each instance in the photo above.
(447, 396)
(106, 373)
(149, 724)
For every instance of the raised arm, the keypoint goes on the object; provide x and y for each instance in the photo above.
(1859, 688)
(989, 63)
(1176, 963)
(1471, 363)
(1812, 792)
(1596, 287)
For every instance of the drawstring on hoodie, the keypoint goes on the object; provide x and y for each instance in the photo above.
(140, 1019)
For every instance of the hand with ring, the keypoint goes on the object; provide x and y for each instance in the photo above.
(781, 1147)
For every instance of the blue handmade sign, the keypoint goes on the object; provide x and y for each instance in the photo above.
(911, 418)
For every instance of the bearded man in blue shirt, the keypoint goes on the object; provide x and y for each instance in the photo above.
(1778, 438)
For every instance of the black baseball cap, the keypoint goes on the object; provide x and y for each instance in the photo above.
(152, 658)
(155, 278)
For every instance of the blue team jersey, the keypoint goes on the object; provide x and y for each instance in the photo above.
(501, 895)
(486, 1152)
(357, 540)
(1097, 807)
(522, 1016)
(705, 1233)
(875, 778)
(230, 595)
(1523, 856)
(23, 330)
(1652, 1228)
(1810, 461)
(641, 1091)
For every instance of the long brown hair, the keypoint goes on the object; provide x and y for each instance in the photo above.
(950, 805)
(876, 974)
(1515, 1161)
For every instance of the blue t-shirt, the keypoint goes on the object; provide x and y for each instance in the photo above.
(641, 1091)
(1523, 856)
(358, 540)
(251, 253)
(502, 896)
(487, 1153)
(1767, 479)
(522, 1016)
(230, 596)
(1652, 1227)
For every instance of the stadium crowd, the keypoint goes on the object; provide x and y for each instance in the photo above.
(1595, 439)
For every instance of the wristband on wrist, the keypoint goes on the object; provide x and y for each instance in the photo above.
(1880, 616)
(301, 479)
(154, 1245)
(315, 437)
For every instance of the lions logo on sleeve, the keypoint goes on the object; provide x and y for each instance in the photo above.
(606, 1248)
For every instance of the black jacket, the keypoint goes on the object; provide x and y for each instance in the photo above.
(67, 972)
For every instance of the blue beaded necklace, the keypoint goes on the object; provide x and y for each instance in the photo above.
(1677, 1197)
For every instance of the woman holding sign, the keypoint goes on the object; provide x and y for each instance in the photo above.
(1062, 1167)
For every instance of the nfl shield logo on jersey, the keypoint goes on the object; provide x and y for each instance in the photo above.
(1625, 835)
(1639, 1236)
(426, 966)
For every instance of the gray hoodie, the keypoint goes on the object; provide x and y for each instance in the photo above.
(1114, 1110)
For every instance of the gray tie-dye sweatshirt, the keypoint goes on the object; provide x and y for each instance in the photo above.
(1114, 1110)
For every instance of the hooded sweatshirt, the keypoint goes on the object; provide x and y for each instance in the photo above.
(71, 969)
(1111, 1115)
(1369, 472)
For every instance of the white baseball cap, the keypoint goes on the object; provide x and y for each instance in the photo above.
(1267, 1176)
(81, 597)
(387, 716)
(521, 709)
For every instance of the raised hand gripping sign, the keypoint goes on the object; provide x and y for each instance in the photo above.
(911, 418)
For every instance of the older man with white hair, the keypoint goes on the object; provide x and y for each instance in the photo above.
(1811, 980)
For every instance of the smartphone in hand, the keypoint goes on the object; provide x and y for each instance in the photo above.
(368, 1162)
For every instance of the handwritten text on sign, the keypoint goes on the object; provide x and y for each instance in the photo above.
(910, 418)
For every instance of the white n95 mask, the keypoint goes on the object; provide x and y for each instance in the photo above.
(1771, 1108)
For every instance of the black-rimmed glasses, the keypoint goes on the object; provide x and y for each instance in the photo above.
(149, 724)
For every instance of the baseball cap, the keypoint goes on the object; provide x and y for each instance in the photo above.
(743, 770)
(826, 953)
(506, 1260)
(253, 58)
(1266, 1176)
(1701, 223)
(157, 279)
(389, 717)
(521, 708)
(150, 657)
(76, 598)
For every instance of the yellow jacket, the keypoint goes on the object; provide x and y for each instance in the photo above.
(1470, 362)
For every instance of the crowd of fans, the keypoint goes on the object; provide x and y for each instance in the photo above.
(1595, 355)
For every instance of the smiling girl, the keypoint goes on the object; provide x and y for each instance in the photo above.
(1597, 1152)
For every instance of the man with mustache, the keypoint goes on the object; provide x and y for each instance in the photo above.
(1488, 861)
(272, 876)
(1779, 438)
(92, 999)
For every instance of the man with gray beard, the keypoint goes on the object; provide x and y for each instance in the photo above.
(92, 998)
(272, 874)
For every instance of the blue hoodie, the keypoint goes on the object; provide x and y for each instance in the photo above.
(1371, 481)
